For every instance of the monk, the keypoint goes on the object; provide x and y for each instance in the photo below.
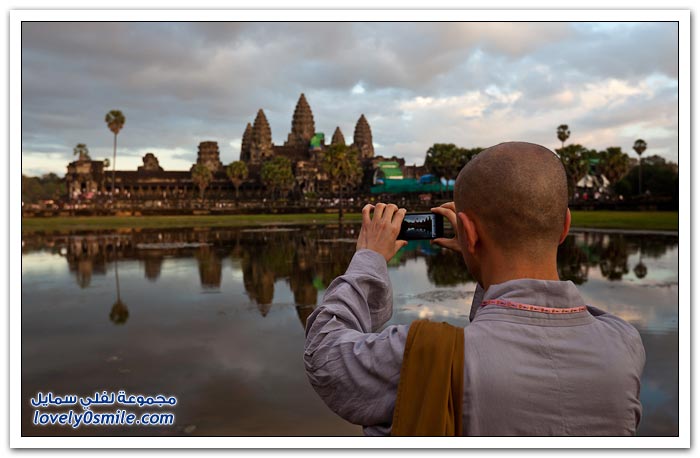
(535, 359)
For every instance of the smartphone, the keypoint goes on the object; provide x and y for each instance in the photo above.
(421, 226)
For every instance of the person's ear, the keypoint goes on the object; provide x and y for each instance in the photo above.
(567, 226)
(469, 231)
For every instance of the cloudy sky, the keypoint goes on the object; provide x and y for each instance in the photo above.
(472, 84)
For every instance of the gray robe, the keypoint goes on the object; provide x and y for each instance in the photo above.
(526, 373)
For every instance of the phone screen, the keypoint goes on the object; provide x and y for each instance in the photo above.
(421, 226)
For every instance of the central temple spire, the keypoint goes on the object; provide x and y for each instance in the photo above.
(302, 124)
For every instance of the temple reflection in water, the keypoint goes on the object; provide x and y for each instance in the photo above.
(309, 257)
(215, 315)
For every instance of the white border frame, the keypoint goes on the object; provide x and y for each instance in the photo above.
(681, 16)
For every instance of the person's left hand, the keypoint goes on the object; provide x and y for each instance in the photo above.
(379, 232)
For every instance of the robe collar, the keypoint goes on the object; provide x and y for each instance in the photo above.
(543, 293)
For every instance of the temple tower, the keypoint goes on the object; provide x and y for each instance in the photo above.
(363, 138)
(261, 139)
(302, 124)
(338, 138)
(208, 154)
(245, 143)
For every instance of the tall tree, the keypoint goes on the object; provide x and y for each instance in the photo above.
(343, 167)
(563, 133)
(614, 164)
(237, 172)
(640, 146)
(575, 160)
(202, 177)
(276, 174)
(81, 150)
(445, 160)
(115, 121)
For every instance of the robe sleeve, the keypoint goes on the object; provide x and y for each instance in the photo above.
(352, 367)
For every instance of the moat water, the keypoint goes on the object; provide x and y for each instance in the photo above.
(216, 318)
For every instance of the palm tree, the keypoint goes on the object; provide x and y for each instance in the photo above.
(614, 164)
(119, 312)
(342, 166)
(115, 121)
(563, 133)
(202, 177)
(237, 172)
(640, 146)
(81, 151)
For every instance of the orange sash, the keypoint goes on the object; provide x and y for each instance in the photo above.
(429, 398)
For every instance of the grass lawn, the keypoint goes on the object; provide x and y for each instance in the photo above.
(667, 221)
(589, 219)
(68, 223)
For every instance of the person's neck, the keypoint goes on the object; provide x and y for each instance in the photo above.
(501, 268)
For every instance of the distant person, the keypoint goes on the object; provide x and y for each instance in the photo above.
(534, 361)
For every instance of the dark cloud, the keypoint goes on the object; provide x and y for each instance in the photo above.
(417, 83)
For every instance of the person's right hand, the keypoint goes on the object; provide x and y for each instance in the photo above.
(379, 232)
(448, 211)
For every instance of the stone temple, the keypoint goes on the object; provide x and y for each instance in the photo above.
(304, 148)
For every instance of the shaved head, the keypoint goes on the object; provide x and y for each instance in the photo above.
(518, 193)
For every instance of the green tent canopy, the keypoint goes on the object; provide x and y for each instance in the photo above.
(408, 185)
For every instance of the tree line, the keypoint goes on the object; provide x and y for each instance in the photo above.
(46, 187)
(444, 160)
(624, 173)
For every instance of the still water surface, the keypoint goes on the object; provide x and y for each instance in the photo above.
(216, 317)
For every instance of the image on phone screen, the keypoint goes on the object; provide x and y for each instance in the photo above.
(421, 226)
